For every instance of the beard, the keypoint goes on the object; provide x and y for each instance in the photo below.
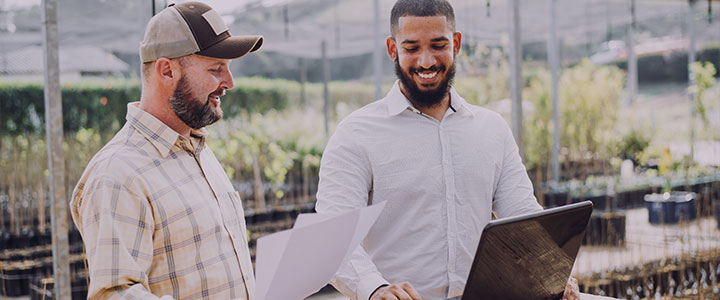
(428, 98)
(191, 109)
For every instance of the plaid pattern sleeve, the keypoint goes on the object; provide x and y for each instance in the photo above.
(160, 219)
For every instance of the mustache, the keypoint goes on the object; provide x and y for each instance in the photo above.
(430, 69)
(218, 93)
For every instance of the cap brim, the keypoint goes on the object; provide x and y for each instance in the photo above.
(233, 47)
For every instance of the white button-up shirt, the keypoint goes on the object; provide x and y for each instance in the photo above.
(440, 181)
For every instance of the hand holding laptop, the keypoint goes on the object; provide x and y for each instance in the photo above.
(400, 291)
(405, 291)
(572, 291)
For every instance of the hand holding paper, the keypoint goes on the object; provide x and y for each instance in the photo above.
(295, 263)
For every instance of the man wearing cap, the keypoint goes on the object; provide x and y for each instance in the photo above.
(157, 213)
(442, 167)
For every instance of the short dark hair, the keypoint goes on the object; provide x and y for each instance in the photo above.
(421, 8)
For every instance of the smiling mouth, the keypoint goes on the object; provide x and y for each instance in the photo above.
(215, 100)
(214, 97)
(427, 75)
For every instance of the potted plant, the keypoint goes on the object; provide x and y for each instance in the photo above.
(670, 207)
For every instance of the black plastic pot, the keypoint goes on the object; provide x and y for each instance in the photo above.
(606, 229)
(717, 212)
(43, 288)
(670, 208)
(16, 281)
(4, 239)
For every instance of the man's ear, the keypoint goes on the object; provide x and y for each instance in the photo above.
(457, 43)
(166, 71)
(391, 48)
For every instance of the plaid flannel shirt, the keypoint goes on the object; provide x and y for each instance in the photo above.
(160, 218)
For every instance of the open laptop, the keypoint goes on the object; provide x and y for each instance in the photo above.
(529, 256)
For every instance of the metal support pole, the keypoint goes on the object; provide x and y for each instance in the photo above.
(326, 93)
(632, 80)
(303, 78)
(337, 24)
(691, 79)
(56, 163)
(377, 50)
(709, 13)
(286, 21)
(608, 26)
(515, 54)
(588, 27)
(553, 60)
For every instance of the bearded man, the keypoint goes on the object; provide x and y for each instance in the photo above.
(442, 166)
(157, 213)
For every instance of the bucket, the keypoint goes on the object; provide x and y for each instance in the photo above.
(670, 208)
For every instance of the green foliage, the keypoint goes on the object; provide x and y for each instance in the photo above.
(102, 106)
(539, 131)
(20, 108)
(256, 94)
(665, 167)
(23, 158)
(275, 142)
(589, 97)
(96, 106)
(277, 168)
(84, 106)
(632, 145)
(589, 100)
(703, 79)
(487, 72)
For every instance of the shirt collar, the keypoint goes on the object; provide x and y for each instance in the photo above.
(459, 104)
(397, 102)
(161, 136)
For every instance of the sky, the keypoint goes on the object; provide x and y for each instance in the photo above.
(222, 6)
(17, 3)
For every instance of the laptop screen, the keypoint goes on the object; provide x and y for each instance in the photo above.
(529, 256)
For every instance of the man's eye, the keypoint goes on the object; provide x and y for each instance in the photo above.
(218, 70)
(439, 47)
(413, 49)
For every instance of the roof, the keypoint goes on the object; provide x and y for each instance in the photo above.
(347, 25)
(29, 60)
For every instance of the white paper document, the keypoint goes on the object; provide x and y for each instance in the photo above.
(296, 263)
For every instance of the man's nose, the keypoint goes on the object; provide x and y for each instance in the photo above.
(227, 80)
(426, 60)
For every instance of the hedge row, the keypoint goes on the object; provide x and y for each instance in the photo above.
(103, 106)
(671, 67)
